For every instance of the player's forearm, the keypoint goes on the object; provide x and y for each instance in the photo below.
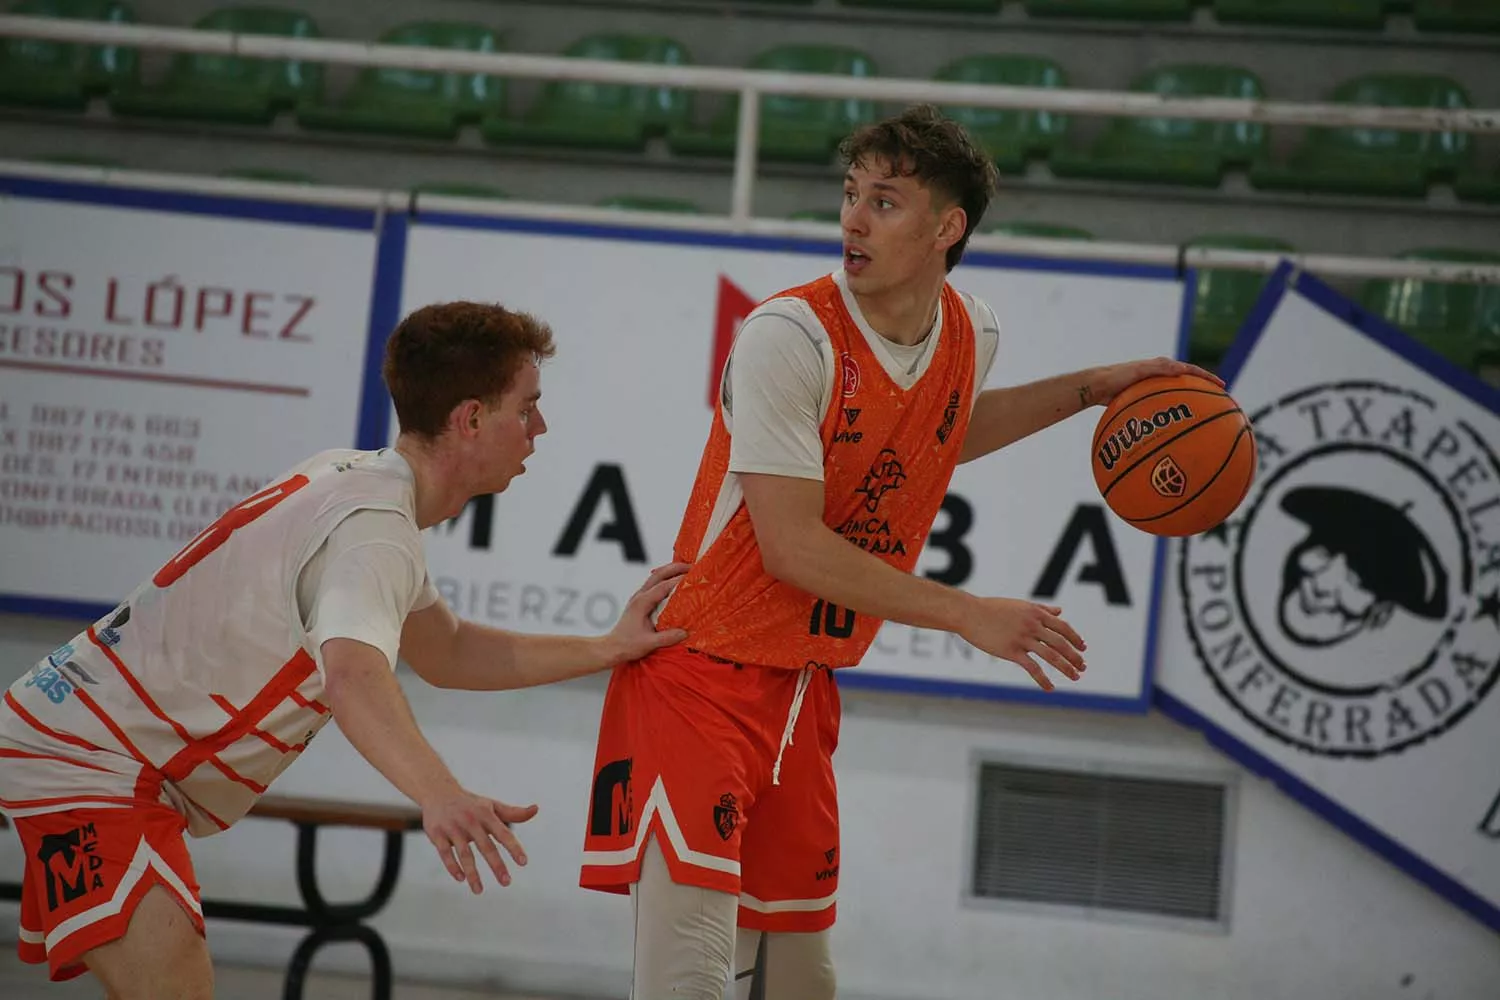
(825, 565)
(374, 715)
(1005, 416)
(491, 659)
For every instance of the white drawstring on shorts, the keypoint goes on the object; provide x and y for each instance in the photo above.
(803, 680)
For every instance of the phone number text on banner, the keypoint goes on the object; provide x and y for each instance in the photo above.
(157, 364)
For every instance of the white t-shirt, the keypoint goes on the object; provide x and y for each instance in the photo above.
(778, 383)
(206, 682)
(363, 582)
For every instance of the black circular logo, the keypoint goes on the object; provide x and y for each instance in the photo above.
(1352, 605)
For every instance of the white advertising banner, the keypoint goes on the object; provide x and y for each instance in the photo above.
(643, 319)
(161, 357)
(1342, 631)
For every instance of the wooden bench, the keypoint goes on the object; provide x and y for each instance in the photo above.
(326, 922)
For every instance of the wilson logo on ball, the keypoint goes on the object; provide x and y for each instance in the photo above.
(1133, 431)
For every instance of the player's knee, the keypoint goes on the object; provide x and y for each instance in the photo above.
(700, 964)
(820, 984)
(161, 954)
(180, 983)
(702, 983)
(799, 966)
(181, 977)
(806, 981)
(684, 935)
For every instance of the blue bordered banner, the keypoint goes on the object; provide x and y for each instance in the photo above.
(1341, 633)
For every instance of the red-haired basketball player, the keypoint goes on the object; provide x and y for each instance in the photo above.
(844, 408)
(174, 712)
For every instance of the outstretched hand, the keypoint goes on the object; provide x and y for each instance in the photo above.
(459, 822)
(1023, 632)
(635, 634)
(1111, 380)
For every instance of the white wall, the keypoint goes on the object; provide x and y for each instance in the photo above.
(1312, 915)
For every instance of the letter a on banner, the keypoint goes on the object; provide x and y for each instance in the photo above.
(1342, 629)
(1088, 522)
(607, 481)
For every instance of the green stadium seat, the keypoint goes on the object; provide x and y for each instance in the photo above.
(413, 102)
(650, 203)
(1047, 230)
(231, 88)
(602, 115)
(1475, 185)
(1223, 297)
(1129, 10)
(1456, 15)
(272, 174)
(816, 215)
(59, 74)
(1459, 321)
(805, 129)
(461, 190)
(1009, 136)
(1372, 161)
(1303, 13)
(1173, 150)
(961, 6)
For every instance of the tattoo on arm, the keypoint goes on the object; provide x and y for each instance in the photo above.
(1085, 396)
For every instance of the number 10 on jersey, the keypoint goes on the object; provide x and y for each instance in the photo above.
(830, 619)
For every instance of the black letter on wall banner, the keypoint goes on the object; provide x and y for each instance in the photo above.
(483, 508)
(607, 480)
(950, 540)
(1088, 521)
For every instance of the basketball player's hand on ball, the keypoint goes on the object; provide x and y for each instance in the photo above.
(635, 634)
(458, 822)
(1025, 633)
(1109, 381)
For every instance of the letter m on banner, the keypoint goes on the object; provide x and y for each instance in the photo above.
(734, 305)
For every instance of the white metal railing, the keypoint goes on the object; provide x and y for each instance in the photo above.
(752, 84)
(1161, 254)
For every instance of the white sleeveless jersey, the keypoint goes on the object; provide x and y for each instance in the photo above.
(198, 690)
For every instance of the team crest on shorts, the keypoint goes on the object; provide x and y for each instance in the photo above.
(726, 816)
(1351, 608)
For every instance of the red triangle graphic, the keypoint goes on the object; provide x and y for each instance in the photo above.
(851, 414)
(734, 305)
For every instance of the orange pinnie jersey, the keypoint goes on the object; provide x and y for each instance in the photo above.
(888, 455)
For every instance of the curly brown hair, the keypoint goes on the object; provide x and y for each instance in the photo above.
(443, 354)
(922, 143)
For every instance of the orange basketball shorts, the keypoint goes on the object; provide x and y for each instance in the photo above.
(87, 869)
(688, 752)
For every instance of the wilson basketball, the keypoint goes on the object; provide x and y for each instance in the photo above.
(1173, 455)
